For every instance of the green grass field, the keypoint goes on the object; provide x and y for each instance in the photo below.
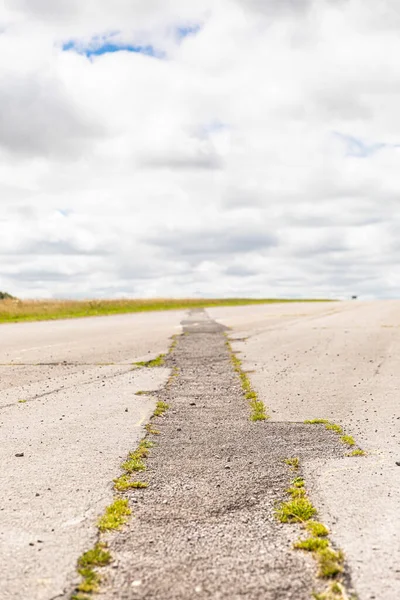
(13, 311)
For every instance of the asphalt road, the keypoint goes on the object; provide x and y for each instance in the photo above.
(339, 361)
(76, 382)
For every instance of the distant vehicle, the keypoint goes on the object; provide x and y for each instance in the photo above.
(354, 297)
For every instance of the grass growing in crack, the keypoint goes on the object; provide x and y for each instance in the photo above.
(258, 410)
(159, 361)
(124, 483)
(161, 408)
(133, 465)
(90, 581)
(330, 563)
(348, 440)
(155, 362)
(357, 452)
(334, 592)
(300, 509)
(174, 374)
(293, 463)
(117, 513)
(316, 529)
(96, 557)
(135, 459)
(312, 544)
(334, 427)
(22, 401)
(174, 343)
(297, 492)
(298, 482)
(147, 444)
(151, 430)
(296, 510)
(115, 516)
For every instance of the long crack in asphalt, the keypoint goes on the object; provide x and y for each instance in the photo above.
(205, 527)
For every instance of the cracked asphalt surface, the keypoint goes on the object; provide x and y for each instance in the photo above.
(205, 527)
(338, 361)
(78, 420)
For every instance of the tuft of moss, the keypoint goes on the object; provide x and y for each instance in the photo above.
(115, 516)
(161, 408)
(298, 482)
(149, 364)
(147, 444)
(357, 452)
(348, 439)
(139, 485)
(96, 557)
(90, 581)
(151, 430)
(133, 465)
(297, 492)
(312, 544)
(22, 401)
(296, 510)
(317, 529)
(293, 463)
(334, 592)
(258, 411)
(334, 427)
(123, 483)
(174, 374)
(330, 563)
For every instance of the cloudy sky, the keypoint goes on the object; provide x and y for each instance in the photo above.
(216, 148)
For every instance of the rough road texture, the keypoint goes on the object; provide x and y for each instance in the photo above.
(79, 418)
(205, 527)
(339, 362)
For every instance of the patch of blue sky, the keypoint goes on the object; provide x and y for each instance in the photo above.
(110, 43)
(356, 147)
(100, 45)
(184, 32)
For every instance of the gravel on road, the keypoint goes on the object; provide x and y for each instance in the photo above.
(205, 527)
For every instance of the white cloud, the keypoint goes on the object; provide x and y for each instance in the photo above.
(258, 157)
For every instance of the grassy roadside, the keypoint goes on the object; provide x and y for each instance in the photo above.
(13, 311)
